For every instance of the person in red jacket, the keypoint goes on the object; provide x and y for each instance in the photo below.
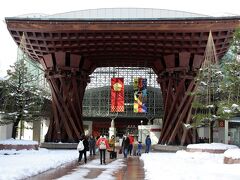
(102, 144)
(131, 139)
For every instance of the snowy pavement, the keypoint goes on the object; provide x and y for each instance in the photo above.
(171, 166)
(189, 165)
(26, 163)
(106, 171)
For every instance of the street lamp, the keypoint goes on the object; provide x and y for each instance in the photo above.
(141, 129)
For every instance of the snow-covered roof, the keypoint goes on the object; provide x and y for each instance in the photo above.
(119, 13)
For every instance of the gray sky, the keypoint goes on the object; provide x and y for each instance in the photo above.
(10, 8)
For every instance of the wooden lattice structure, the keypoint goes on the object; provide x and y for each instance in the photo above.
(70, 50)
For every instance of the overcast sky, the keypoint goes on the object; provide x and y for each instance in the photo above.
(10, 8)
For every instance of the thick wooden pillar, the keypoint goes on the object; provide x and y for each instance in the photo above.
(67, 75)
(177, 81)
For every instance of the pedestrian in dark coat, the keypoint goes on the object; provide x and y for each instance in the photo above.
(84, 151)
(139, 148)
(125, 146)
(92, 145)
(148, 143)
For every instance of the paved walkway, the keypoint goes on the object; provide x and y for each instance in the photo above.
(56, 173)
(132, 171)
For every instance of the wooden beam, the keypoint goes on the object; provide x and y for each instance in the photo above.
(60, 110)
(168, 117)
(180, 119)
(177, 113)
(63, 106)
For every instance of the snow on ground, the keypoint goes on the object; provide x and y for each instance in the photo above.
(172, 166)
(232, 153)
(18, 142)
(188, 165)
(26, 163)
(106, 174)
(219, 146)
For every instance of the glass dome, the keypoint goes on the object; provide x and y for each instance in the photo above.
(122, 14)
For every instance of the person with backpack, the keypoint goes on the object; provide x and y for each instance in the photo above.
(102, 144)
(83, 147)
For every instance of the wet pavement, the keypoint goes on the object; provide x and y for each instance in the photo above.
(57, 172)
(132, 171)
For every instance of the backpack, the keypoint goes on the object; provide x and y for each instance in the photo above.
(80, 146)
(102, 144)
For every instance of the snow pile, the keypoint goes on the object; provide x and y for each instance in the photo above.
(227, 111)
(232, 153)
(185, 165)
(194, 155)
(235, 106)
(214, 146)
(26, 163)
(210, 106)
(203, 83)
(14, 151)
(18, 142)
(107, 173)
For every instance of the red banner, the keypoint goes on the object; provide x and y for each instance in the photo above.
(117, 95)
(221, 123)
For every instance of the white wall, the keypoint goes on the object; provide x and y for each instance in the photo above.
(5, 132)
(154, 131)
(203, 132)
(87, 125)
(218, 134)
(44, 129)
(27, 131)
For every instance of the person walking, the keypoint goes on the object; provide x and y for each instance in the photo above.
(125, 146)
(131, 139)
(92, 145)
(102, 144)
(139, 148)
(148, 143)
(83, 147)
(112, 147)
